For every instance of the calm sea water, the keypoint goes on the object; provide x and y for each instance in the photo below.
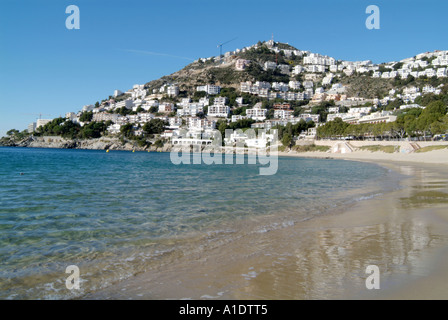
(120, 213)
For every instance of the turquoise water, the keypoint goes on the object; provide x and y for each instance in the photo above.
(119, 213)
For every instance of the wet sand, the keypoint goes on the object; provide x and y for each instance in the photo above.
(404, 233)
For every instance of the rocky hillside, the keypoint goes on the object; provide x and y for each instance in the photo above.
(224, 73)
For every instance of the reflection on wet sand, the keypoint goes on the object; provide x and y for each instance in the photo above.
(330, 255)
(401, 232)
(327, 258)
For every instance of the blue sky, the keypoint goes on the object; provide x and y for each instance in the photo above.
(46, 68)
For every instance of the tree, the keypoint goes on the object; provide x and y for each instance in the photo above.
(436, 107)
(155, 126)
(12, 132)
(438, 127)
(322, 110)
(287, 140)
(222, 126)
(127, 130)
(86, 116)
(92, 130)
(123, 111)
(335, 128)
(270, 114)
(241, 124)
(158, 144)
(297, 111)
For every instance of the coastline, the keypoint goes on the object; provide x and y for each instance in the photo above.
(430, 157)
(403, 232)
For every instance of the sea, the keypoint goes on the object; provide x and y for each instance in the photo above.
(113, 215)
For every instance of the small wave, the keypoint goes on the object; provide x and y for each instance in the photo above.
(368, 197)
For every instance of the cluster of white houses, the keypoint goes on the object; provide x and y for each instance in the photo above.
(199, 124)
(430, 64)
(199, 118)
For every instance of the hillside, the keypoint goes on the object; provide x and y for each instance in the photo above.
(289, 86)
(223, 73)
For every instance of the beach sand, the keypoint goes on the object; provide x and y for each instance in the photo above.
(404, 233)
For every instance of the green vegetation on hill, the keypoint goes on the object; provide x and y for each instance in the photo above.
(310, 148)
(413, 122)
(13, 136)
(430, 148)
(386, 149)
(68, 129)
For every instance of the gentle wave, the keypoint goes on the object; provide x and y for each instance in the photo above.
(118, 214)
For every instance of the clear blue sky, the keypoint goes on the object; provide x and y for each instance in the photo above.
(46, 68)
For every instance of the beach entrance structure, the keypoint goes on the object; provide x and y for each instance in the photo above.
(341, 147)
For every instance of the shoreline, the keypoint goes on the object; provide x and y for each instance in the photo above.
(430, 157)
(297, 262)
(404, 232)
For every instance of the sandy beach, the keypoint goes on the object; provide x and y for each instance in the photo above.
(404, 233)
(431, 157)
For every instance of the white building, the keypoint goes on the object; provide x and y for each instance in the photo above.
(209, 88)
(192, 109)
(282, 114)
(241, 64)
(88, 107)
(297, 69)
(333, 110)
(220, 100)
(430, 89)
(173, 91)
(200, 124)
(32, 127)
(104, 116)
(184, 102)
(128, 104)
(280, 86)
(294, 85)
(204, 101)
(114, 128)
(70, 116)
(270, 65)
(237, 117)
(327, 79)
(441, 72)
(315, 68)
(309, 117)
(166, 107)
(359, 110)
(218, 110)
(308, 84)
(256, 113)
(411, 90)
(378, 117)
(42, 122)
(174, 122)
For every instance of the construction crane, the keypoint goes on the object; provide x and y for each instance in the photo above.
(220, 47)
(37, 114)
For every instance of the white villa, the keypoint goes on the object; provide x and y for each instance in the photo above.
(256, 113)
